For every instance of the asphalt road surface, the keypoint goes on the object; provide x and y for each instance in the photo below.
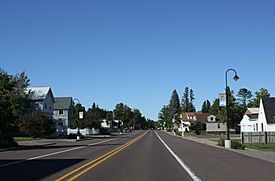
(142, 155)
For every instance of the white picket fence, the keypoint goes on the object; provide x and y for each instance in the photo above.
(84, 132)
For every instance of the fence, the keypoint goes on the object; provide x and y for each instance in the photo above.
(84, 132)
(258, 137)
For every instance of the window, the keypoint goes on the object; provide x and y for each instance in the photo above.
(45, 105)
(61, 111)
(219, 126)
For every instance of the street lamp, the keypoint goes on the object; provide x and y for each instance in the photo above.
(80, 116)
(227, 143)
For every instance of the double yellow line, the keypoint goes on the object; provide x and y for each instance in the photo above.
(88, 166)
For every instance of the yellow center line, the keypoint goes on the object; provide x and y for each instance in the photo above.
(99, 158)
(97, 163)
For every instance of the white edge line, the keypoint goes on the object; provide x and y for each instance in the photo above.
(54, 153)
(186, 168)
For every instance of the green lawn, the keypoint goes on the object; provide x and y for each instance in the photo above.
(25, 138)
(261, 147)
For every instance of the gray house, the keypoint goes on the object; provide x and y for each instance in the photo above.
(62, 114)
(42, 100)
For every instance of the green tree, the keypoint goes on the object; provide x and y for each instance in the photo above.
(165, 116)
(13, 104)
(75, 116)
(94, 116)
(198, 127)
(206, 106)
(187, 101)
(174, 104)
(259, 95)
(192, 98)
(37, 125)
(215, 109)
(244, 95)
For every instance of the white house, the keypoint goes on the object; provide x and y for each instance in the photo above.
(213, 122)
(62, 114)
(42, 99)
(249, 123)
(264, 121)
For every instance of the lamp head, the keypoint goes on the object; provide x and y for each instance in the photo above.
(236, 77)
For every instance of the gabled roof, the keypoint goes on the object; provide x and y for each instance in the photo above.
(38, 93)
(252, 111)
(199, 116)
(62, 103)
(269, 108)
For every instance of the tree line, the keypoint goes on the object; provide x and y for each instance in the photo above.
(130, 118)
(17, 117)
(238, 105)
(172, 111)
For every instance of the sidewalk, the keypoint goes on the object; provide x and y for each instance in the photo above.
(263, 155)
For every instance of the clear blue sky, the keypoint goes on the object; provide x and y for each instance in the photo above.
(137, 52)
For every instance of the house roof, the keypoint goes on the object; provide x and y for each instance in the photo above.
(199, 116)
(269, 108)
(252, 111)
(62, 103)
(38, 93)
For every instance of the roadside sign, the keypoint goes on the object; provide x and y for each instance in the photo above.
(222, 100)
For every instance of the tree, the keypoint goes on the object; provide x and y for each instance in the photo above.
(165, 116)
(206, 106)
(192, 98)
(14, 104)
(174, 104)
(198, 127)
(187, 101)
(37, 125)
(259, 95)
(215, 109)
(75, 116)
(244, 95)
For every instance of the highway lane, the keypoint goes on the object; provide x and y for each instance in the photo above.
(141, 156)
(211, 163)
(55, 160)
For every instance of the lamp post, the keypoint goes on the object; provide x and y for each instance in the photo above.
(227, 143)
(80, 116)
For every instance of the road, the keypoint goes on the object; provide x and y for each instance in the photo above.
(142, 155)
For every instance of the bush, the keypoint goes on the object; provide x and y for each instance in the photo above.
(234, 144)
(237, 145)
(198, 127)
(169, 130)
(37, 125)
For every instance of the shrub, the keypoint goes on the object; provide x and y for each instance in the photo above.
(198, 127)
(234, 144)
(237, 145)
(169, 130)
(221, 143)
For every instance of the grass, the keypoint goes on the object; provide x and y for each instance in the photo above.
(261, 147)
(25, 138)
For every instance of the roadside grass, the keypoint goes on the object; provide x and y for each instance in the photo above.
(261, 147)
(25, 138)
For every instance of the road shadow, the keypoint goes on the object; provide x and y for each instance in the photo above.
(34, 169)
(54, 146)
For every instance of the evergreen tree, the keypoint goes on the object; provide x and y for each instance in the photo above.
(244, 95)
(259, 95)
(192, 98)
(185, 103)
(174, 104)
(206, 106)
(165, 116)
